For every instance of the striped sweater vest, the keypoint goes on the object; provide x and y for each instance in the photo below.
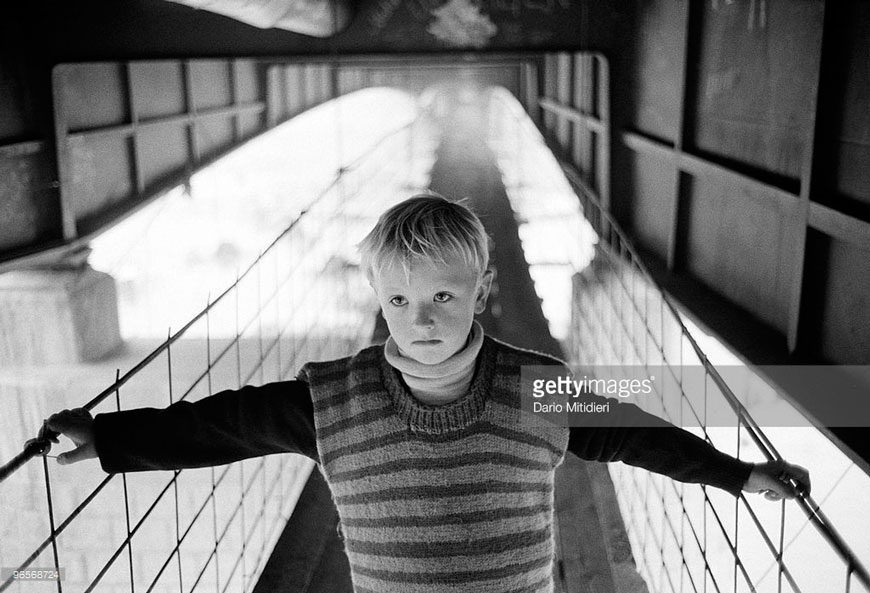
(434, 499)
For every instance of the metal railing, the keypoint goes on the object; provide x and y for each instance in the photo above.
(213, 528)
(684, 538)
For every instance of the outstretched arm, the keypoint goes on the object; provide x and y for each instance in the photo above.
(222, 428)
(643, 440)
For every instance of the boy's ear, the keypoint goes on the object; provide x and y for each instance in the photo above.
(483, 292)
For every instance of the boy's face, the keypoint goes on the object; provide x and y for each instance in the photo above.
(430, 310)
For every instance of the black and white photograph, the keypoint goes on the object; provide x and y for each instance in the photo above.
(435, 296)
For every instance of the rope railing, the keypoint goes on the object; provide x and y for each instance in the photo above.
(684, 538)
(211, 528)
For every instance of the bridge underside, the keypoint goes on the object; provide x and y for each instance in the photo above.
(127, 132)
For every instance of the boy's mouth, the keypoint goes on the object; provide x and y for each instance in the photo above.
(426, 342)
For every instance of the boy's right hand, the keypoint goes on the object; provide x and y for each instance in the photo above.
(78, 425)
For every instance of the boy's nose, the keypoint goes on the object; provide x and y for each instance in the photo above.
(423, 318)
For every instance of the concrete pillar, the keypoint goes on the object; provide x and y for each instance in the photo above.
(57, 316)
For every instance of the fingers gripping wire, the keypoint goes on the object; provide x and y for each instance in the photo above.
(795, 485)
(814, 515)
(41, 445)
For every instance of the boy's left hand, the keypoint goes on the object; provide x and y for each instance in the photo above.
(778, 480)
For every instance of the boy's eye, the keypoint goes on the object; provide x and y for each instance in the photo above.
(398, 301)
(443, 297)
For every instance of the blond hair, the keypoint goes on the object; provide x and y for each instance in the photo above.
(425, 227)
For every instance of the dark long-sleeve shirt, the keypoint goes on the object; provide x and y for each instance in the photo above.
(279, 418)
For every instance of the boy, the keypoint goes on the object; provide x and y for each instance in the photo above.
(442, 482)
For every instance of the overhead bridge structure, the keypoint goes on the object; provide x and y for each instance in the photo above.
(716, 155)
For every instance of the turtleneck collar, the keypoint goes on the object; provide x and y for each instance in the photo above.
(442, 383)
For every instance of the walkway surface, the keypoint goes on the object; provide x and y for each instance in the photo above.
(592, 550)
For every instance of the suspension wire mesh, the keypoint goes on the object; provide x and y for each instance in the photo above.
(684, 537)
(212, 529)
